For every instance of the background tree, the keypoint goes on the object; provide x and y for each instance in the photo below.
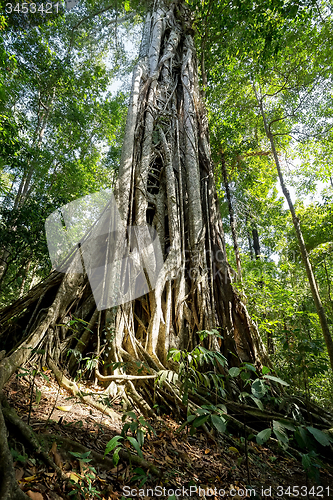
(68, 133)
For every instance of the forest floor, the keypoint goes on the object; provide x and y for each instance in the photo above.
(189, 464)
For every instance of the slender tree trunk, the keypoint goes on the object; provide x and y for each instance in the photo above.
(4, 254)
(256, 243)
(248, 235)
(26, 184)
(231, 217)
(305, 257)
(24, 279)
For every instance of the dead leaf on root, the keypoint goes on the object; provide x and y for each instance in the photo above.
(35, 495)
(29, 479)
(19, 473)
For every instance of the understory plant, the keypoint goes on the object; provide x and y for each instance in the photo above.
(139, 427)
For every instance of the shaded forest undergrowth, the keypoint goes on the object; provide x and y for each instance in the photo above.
(74, 436)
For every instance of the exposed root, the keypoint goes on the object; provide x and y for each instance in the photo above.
(105, 378)
(73, 389)
(29, 437)
(9, 489)
(98, 459)
(139, 401)
(68, 289)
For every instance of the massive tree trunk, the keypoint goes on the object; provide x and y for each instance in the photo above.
(166, 179)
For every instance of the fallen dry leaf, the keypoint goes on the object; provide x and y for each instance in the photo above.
(74, 477)
(64, 408)
(19, 474)
(29, 479)
(35, 495)
(57, 459)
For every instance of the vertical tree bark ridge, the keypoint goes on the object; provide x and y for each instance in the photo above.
(166, 179)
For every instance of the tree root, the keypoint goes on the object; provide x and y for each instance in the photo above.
(105, 378)
(97, 458)
(73, 389)
(9, 489)
(29, 437)
(139, 401)
(68, 290)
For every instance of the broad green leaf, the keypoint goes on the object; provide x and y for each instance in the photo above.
(140, 437)
(306, 461)
(80, 456)
(250, 367)
(234, 371)
(279, 432)
(130, 414)
(257, 402)
(320, 436)
(200, 420)
(287, 425)
(115, 456)
(263, 436)
(38, 396)
(190, 418)
(223, 408)
(162, 376)
(258, 388)
(135, 445)
(303, 438)
(218, 423)
(276, 379)
(112, 444)
(202, 411)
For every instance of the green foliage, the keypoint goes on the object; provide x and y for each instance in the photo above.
(189, 373)
(138, 427)
(114, 445)
(140, 476)
(63, 140)
(263, 436)
(18, 457)
(209, 415)
(311, 465)
(83, 482)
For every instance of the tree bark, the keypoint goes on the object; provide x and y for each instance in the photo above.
(256, 244)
